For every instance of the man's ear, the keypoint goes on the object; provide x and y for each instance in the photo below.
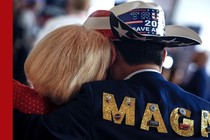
(113, 54)
(164, 54)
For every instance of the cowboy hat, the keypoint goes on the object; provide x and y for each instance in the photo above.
(140, 21)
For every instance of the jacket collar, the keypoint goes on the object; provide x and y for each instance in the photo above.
(145, 74)
(140, 71)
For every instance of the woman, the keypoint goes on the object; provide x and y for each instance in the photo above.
(60, 63)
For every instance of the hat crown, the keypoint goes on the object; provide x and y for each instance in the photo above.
(145, 18)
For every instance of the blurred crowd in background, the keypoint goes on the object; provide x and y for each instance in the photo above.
(35, 18)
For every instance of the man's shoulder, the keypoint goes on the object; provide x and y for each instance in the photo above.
(177, 95)
(173, 93)
(105, 83)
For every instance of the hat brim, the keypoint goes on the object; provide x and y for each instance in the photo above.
(111, 26)
(175, 36)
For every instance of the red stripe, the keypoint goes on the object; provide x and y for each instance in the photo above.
(133, 22)
(106, 32)
(155, 18)
(142, 32)
(6, 70)
(100, 13)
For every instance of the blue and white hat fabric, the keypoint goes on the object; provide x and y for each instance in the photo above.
(140, 21)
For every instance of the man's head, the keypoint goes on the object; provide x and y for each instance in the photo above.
(200, 58)
(77, 6)
(132, 56)
(135, 53)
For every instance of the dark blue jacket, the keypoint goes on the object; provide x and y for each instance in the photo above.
(198, 84)
(143, 107)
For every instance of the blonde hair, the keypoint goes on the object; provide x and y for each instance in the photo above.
(65, 59)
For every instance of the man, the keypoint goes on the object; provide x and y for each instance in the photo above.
(198, 81)
(139, 103)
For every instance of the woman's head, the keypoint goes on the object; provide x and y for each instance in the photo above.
(65, 59)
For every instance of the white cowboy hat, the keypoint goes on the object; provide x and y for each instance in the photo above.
(140, 21)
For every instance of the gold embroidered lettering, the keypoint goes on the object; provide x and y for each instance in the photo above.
(205, 123)
(153, 110)
(186, 128)
(110, 109)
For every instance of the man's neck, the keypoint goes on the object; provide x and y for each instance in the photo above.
(131, 69)
(119, 70)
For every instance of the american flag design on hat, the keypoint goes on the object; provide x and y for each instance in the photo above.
(123, 31)
(99, 21)
(144, 21)
(148, 25)
(139, 21)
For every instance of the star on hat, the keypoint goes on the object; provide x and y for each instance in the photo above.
(121, 31)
